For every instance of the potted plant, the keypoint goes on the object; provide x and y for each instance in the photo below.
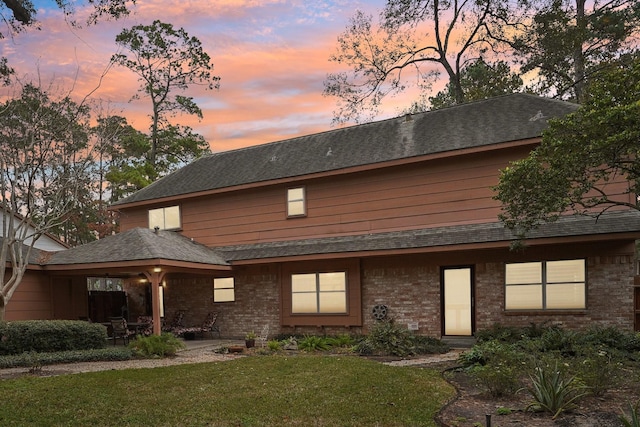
(250, 339)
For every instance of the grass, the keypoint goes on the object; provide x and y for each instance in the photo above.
(252, 391)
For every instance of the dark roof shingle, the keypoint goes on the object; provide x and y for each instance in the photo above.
(570, 226)
(138, 244)
(491, 121)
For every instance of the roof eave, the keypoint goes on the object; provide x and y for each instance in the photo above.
(464, 247)
(115, 266)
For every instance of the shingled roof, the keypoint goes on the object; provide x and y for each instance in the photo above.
(138, 244)
(35, 256)
(491, 121)
(141, 244)
(570, 226)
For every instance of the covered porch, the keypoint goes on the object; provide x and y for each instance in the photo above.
(143, 258)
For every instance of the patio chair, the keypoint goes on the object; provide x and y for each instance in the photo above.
(146, 325)
(209, 325)
(176, 322)
(119, 329)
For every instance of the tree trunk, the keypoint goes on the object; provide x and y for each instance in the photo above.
(578, 54)
(2, 308)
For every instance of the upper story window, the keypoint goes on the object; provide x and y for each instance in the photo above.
(296, 203)
(165, 218)
(223, 289)
(546, 285)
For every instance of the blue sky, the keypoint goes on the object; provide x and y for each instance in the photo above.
(271, 55)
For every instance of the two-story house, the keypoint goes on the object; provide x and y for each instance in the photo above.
(331, 232)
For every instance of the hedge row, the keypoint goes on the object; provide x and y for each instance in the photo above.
(41, 359)
(43, 336)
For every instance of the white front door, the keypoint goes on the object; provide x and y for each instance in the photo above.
(457, 301)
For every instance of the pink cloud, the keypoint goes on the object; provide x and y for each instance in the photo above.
(272, 57)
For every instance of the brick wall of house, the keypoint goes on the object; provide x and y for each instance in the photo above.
(257, 301)
(410, 288)
(411, 293)
(609, 297)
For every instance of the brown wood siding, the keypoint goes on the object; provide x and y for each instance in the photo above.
(440, 192)
(32, 299)
(133, 218)
(70, 297)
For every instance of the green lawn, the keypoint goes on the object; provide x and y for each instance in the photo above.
(251, 391)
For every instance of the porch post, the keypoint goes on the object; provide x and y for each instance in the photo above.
(155, 277)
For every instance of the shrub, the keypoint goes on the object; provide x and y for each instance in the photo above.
(499, 332)
(50, 336)
(483, 353)
(497, 367)
(535, 330)
(501, 410)
(314, 343)
(553, 391)
(498, 379)
(429, 345)
(598, 368)
(341, 341)
(558, 339)
(274, 345)
(387, 338)
(627, 342)
(156, 345)
(31, 359)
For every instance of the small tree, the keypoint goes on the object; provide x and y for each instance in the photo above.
(166, 60)
(43, 170)
(579, 155)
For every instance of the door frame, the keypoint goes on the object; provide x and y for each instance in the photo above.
(472, 284)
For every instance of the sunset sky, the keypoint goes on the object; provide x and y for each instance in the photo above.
(271, 56)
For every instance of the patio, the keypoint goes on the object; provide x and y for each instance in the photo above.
(212, 344)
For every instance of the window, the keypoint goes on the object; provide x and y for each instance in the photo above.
(319, 293)
(546, 285)
(165, 218)
(224, 289)
(296, 202)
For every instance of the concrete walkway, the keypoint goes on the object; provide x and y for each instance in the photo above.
(211, 344)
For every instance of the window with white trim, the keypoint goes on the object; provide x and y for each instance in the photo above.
(224, 289)
(313, 293)
(546, 285)
(165, 218)
(296, 204)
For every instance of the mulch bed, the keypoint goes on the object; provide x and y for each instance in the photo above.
(472, 405)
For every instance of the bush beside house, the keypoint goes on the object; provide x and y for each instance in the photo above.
(44, 336)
